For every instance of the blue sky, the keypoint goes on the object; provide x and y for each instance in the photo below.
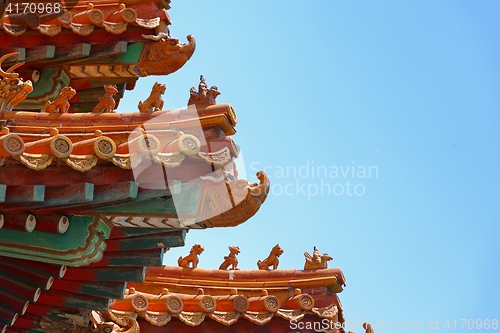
(411, 88)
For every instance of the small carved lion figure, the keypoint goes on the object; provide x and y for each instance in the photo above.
(316, 261)
(231, 259)
(107, 102)
(192, 258)
(272, 259)
(154, 102)
(61, 103)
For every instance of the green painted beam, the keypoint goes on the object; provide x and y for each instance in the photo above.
(3, 190)
(103, 195)
(82, 244)
(48, 78)
(132, 55)
(186, 202)
(157, 206)
(106, 289)
(55, 196)
(170, 239)
(145, 194)
(125, 232)
(151, 257)
(115, 192)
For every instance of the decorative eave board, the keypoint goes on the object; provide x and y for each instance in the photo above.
(192, 305)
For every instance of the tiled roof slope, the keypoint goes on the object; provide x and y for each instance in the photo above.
(174, 298)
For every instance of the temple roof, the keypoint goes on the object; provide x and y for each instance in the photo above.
(118, 138)
(212, 299)
(51, 18)
(93, 216)
(88, 44)
(102, 191)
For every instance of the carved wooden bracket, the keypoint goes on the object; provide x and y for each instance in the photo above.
(13, 90)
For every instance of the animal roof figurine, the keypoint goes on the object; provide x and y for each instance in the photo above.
(154, 102)
(272, 259)
(61, 103)
(107, 103)
(316, 261)
(203, 97)
(231, 259)
(192, 257)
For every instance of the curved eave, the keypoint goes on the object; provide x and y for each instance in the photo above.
(80, 19)
(220, 114)
(175, 297)
(243, 279)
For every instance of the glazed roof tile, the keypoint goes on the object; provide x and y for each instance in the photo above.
(82, 17)
(91, 138)
(170, 295)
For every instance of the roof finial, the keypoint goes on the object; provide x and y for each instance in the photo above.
(316, 261)
(203, 97)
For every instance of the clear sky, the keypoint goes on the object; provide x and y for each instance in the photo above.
(409, 90)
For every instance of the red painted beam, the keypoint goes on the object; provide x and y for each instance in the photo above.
(100, 36)
(116, 274)
(99, 175)
(20, 288)
(13, 330)
(52, 176)
(8, 316)
(19, 273)
(19, 222)
(16, 303)
(26, 193)
(25, 322)
(73, 300)
(53, 223)
(103, 195)
(100, 289)
(35, 309)
(56, 271)
(55, 196)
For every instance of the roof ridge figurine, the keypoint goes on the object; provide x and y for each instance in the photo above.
(203, 97)
(61, 103)
(272, 259)
(107, 102)
(316, 261)
(231, 259)
(154, 102)
(192, 257)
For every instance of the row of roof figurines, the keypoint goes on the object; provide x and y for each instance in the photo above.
(314, 261)
(13, 90)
